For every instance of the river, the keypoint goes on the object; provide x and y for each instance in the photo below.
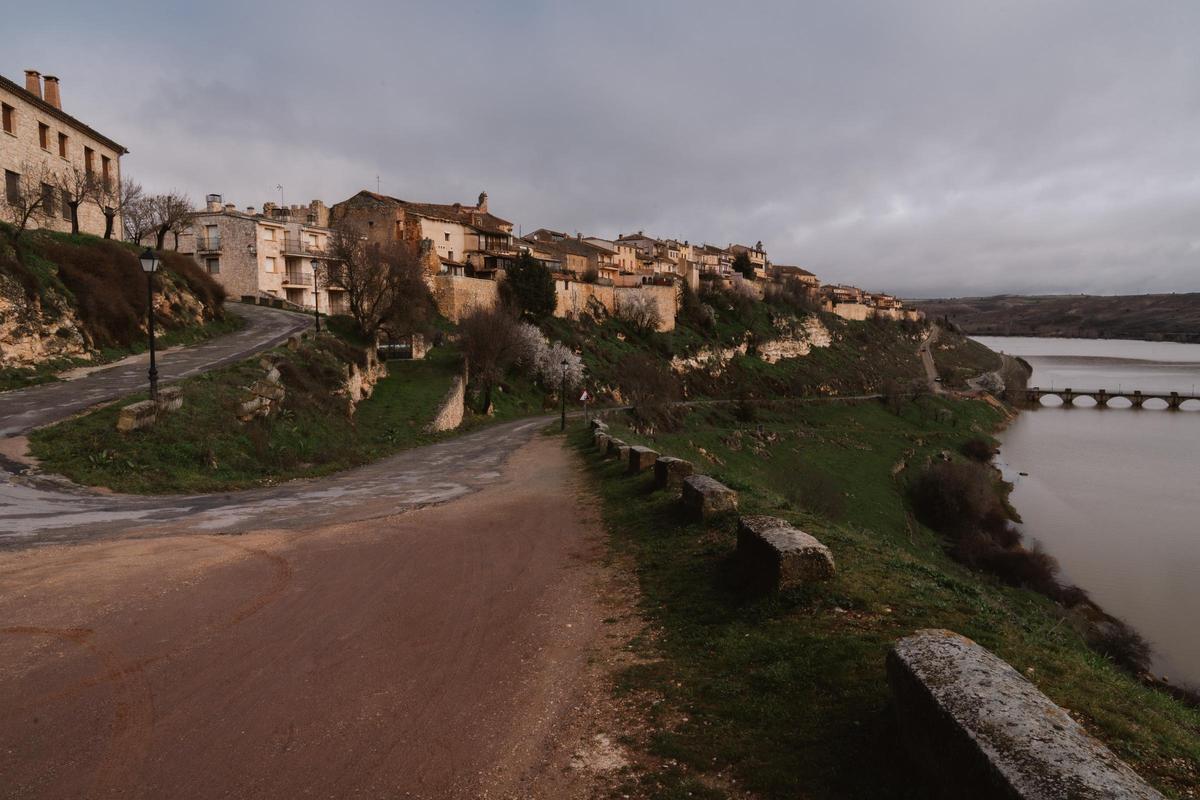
(1114, 494)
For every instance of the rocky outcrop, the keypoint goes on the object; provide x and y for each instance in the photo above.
(29, 335)
(979, 729)
(797, 338)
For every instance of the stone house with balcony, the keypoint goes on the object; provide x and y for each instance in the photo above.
(468, 240)
(756, 254)
(577, 255)
(265, 254)
(35, 133)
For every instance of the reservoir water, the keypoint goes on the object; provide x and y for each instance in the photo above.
(1114, 494)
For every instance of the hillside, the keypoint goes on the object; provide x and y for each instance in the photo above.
(72, 300)
(1156, 317)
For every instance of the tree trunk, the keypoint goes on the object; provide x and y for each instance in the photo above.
(74, 219)
(160, 237)
(109, 216)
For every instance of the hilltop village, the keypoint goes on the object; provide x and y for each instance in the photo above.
(63, 175)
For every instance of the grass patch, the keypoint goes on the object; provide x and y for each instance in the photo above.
(203, 448)
(788, 695)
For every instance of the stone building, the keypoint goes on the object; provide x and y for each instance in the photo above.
(265, 254)
(469, 240)
(38, 137)
(756, 254)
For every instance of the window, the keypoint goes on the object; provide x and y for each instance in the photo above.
(66, 205)
(269, 234)
(48, 199)
(270, 264)
(105, 171)
(12, 186)
(62, 145)
(9, 114)
(89, 160)
(447, 235)
(213, 265)
(44, 135)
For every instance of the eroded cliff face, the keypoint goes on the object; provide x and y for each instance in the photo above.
(796, 338)
(33, 331)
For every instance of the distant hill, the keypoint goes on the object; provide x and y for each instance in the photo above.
(1157, 317)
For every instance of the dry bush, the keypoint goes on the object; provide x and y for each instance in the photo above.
(206, 289)
(492, 342)
(1115, 640)
(108, 285)
(640, 311)
(651, 389)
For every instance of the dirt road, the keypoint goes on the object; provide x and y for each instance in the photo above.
(442, 652)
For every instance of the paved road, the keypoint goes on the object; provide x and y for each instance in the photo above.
(25, 409)
(349, 643)
(37, 509)
(926, 354)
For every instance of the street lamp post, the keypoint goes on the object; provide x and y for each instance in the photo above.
(150, 266)
(563, 391)
(316, 293)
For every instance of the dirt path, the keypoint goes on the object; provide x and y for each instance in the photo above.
(445, 652)
(925, 352)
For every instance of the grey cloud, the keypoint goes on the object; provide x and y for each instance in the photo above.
(924, 147)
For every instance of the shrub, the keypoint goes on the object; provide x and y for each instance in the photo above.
(651, 389)
(977, 449)
(529, 287)
(639, 310)
(1115, 640)
(206, 289)
(543, 361)
(953, 497)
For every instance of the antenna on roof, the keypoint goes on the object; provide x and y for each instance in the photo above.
(280, 188)
(376, 184)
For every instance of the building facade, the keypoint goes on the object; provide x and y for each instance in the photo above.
(266, 254)
(40, 142)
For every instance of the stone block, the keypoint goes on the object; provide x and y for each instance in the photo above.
(775, 556)
(271, 391)
(599, 425)
(980, 729)
(137, 416)
(601, 439)
(641, 458)
(614, 446)
(670, 471)
(170, 398)
(623, 453)
(705, 497)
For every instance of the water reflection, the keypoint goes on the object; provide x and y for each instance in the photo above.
(1113, 493)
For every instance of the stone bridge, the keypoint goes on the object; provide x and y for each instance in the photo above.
(1137, 399)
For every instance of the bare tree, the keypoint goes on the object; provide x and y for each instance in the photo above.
(116, 199)
(29, 198)
(137, 218)
(384, 282)
(77, 186)
(169, 213)
(492, 342)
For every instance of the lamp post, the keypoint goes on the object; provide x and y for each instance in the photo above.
(316, 293)
(150, 266)
(563, 391)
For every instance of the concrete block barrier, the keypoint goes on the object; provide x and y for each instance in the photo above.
(601, 439)
(979, 729)
(774, 555)
(614, 446)
(170, 398)
(669, 471)
(641, 458)
(703, 497)
(136, 416)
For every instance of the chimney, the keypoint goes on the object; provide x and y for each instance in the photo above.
(483, 202)
(212, 202)
(230, 208)
(33, 82)
(52, 91)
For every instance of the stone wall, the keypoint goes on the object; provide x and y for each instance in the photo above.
(576, 298)
(453, 407)
(457, 296)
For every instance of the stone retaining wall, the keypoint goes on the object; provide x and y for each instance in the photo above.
(454, 406)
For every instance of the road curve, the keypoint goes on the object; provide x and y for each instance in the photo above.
(24, 409)
(450, 651)
(926, 354)
(38, 509)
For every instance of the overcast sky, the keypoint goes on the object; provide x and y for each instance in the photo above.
(926, 148)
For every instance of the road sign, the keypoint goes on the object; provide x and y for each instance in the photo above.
(583, 398)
